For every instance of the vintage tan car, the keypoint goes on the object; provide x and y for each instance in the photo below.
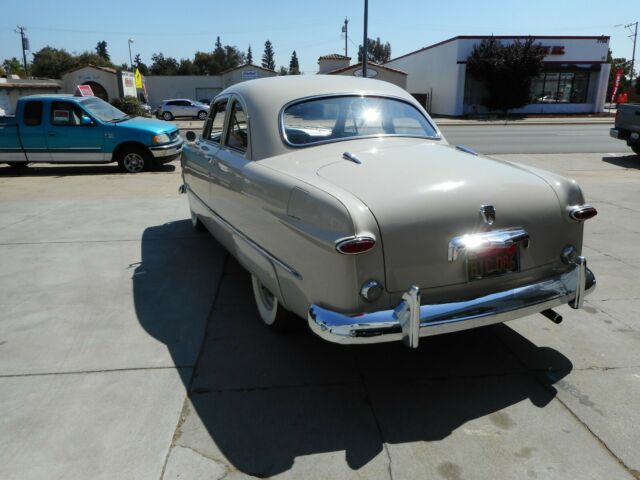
(346, 204)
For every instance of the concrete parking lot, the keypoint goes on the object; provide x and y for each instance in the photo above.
(130, 349)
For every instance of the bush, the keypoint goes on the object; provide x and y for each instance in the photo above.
(129, 105)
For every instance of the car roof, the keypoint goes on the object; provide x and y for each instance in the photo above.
(264, 98)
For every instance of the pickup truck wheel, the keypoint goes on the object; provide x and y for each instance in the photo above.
(167, 116)
(134, 160)
(202, 115)
(636, 149)
(18, 164)
(196, 223)
(271, 312)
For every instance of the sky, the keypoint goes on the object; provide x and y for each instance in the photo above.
(180, 28)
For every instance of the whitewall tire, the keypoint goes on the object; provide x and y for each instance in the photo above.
(270, 310)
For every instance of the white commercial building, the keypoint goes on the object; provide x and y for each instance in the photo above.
(574, 79)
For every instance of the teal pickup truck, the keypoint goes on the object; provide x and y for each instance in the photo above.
(73, 129)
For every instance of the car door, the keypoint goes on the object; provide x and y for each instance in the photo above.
(184, 108)
(33, 132)
(200, 157)
(227, 168)
(73, 135)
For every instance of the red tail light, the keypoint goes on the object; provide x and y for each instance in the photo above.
(355, 245)
(582, 213)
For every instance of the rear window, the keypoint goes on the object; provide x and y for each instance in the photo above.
(346, 117)
(33, 113)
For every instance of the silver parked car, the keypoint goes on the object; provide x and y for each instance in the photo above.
(182, 107)
(346, 204)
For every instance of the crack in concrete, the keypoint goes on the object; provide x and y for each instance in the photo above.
(105, 370)
(114, 240)
(185, 405)
(549, 387)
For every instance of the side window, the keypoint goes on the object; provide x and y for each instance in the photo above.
(170, 104)
(33, 113)
(65, 114)
(213, 128)
(183, 103)
(238, 136)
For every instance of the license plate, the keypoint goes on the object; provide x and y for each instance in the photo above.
(493, 262)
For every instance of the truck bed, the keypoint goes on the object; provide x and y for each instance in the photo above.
(10, 146)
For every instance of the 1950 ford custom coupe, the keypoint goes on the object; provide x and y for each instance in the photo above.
(346, 204)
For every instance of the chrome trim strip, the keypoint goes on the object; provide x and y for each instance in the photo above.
(260, 250)
(478, 241)
(464, 149)
(177, 143)
(436, 319)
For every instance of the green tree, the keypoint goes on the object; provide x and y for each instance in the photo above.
(377, 52)
(13, 66)
(204, 64)
(129, 105)
(233, 57)
(186, 67)
(506, 71)
(101, 50)
(92, 58)
(2, 72)
(52, 62)
(268, 60)
(294, 65)
(137, 61)
(249, 56)
(162, 65)
(283, 70)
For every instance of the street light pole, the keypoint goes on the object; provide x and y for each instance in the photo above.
(130, 59)
(365, 42)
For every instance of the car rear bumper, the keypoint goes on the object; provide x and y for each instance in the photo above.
(410, 320)
(166, 153)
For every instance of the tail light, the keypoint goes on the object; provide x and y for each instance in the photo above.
(582, 213)
(355, 245)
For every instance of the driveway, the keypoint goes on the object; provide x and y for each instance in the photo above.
(129, 348)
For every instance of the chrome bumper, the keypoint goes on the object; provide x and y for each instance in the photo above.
(409, 320)
(171, 150)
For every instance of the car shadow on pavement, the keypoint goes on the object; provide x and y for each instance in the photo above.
(48, 170)
(259, 400)
(627, 161)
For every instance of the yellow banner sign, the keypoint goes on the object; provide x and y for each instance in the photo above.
(138, 79)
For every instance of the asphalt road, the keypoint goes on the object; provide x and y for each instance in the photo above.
(504, 139)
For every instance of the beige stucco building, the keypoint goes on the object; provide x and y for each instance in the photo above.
(11, 89)
(106, 83)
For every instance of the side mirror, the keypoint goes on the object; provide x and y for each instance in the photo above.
(191, 136)
(86, 120)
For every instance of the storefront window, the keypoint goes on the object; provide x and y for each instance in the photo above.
(580, 87)
(560, 87)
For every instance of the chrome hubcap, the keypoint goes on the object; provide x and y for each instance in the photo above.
(133, 162)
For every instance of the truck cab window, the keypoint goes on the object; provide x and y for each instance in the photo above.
(33, 113)
(65, 114)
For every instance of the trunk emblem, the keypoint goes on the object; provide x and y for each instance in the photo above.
(488, 213)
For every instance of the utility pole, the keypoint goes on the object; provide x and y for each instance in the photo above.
(633, 55)
(345, 30)
(25, 46)
(365, 42)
